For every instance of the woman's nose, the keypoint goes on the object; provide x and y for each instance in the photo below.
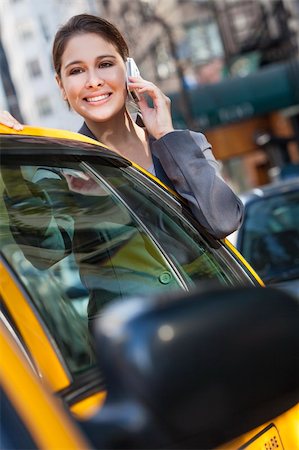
(94, 80)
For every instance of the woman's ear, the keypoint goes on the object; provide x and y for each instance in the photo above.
(60, 85)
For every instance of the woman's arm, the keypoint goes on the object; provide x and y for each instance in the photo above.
(189, 163)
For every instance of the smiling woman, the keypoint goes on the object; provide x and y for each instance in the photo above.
(90, 56)
(95, 83)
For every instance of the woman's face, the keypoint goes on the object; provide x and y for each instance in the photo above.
(93, 77)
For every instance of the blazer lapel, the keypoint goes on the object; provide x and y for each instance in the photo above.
(160, 172)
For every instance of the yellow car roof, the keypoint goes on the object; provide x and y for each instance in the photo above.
(71, 135)
(50, 132)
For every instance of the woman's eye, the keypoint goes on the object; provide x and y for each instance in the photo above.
(105, 64)
(76, 71)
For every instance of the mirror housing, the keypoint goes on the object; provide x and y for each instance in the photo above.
(196, 370)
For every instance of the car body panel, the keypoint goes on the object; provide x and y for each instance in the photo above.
(41, 347)
(87, 407)
(45, 418)
(281, 432)
(237, 254)
(37, 341)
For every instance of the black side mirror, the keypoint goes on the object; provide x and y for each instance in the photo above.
(196, 370)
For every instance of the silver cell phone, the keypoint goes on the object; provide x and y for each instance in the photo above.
(132, 71)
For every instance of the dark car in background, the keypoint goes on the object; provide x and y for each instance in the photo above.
(269, 236)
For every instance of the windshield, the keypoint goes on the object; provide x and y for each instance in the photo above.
(270, 236)
(80, 234)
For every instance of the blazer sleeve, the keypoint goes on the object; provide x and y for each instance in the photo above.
(188, 161)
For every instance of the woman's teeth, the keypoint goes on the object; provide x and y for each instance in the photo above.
(97, 99)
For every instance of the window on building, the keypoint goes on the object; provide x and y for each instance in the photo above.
(164, 64)
(44, 28)
(204, 41)
(51, 64)
(34, 68)
(246, 19)
(25, 31)
(44, 106)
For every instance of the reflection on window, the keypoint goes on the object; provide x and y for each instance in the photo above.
(76, 248)
(183, 245)
(78, 243)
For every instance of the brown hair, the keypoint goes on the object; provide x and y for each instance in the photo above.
(86, 23)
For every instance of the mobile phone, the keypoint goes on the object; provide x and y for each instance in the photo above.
(132, 71)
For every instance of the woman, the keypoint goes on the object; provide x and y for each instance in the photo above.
(89, 56)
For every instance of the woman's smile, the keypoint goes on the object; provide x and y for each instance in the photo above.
(98, 99)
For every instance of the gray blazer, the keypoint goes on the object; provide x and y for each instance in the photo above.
(184, 161)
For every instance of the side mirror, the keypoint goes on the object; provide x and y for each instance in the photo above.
(196, 370)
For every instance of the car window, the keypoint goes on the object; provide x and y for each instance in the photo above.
(80, 235)
(191, 253)
(76, 252)
(270, 235)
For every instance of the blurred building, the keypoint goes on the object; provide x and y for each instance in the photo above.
(191, 34)
(231, 68)
(27, 31)
(217, 59)
(3, 100)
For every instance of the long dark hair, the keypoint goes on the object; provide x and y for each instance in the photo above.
(86, 23)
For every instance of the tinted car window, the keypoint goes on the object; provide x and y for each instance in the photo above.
(191, 253)
(270, 235)
(75, 249)
(75, 252)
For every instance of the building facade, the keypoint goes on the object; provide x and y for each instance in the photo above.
(205, 54)
(27, 31)
(181, 45)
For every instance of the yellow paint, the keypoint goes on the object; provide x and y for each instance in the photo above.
(44, 417)
(86, 408)
(243, 261)
(64, 134)
(34, 336)
(287, 425)
(50, 132)
(152, 177)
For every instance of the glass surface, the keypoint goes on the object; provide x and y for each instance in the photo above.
(270, 236)
(78, 240)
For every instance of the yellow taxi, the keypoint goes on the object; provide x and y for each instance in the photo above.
(80, 227)
(43, 424)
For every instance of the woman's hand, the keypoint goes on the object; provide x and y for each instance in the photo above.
(157, 119)
(7, 119)
(83, 184)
